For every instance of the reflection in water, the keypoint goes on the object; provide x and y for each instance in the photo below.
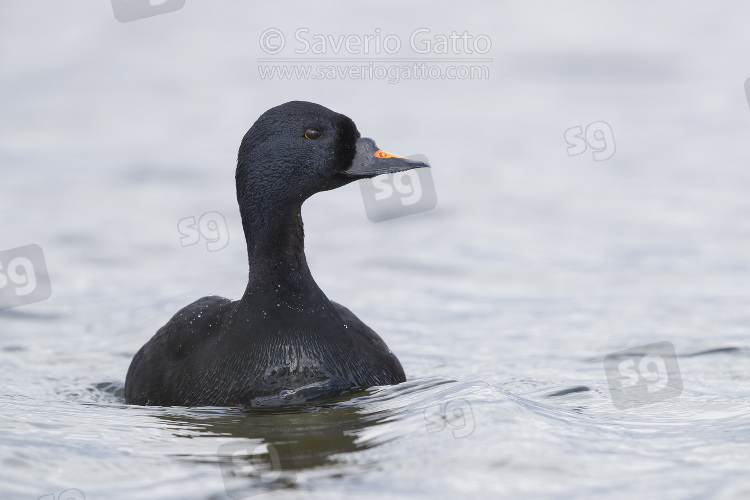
(270, 445)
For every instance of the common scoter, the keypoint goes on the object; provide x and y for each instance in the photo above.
(283, 341)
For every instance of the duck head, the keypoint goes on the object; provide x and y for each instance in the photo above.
(299, 148)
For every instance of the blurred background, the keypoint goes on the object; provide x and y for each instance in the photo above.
(591, 182)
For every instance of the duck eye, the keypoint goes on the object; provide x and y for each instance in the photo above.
(312, 133)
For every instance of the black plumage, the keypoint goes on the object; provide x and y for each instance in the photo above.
(283, 341)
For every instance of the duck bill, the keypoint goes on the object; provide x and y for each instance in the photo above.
(370, 160)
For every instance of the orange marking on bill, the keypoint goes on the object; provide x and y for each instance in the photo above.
(385, 154)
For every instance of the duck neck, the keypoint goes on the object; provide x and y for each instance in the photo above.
(276, 250)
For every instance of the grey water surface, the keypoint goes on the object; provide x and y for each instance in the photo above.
(592, 196)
